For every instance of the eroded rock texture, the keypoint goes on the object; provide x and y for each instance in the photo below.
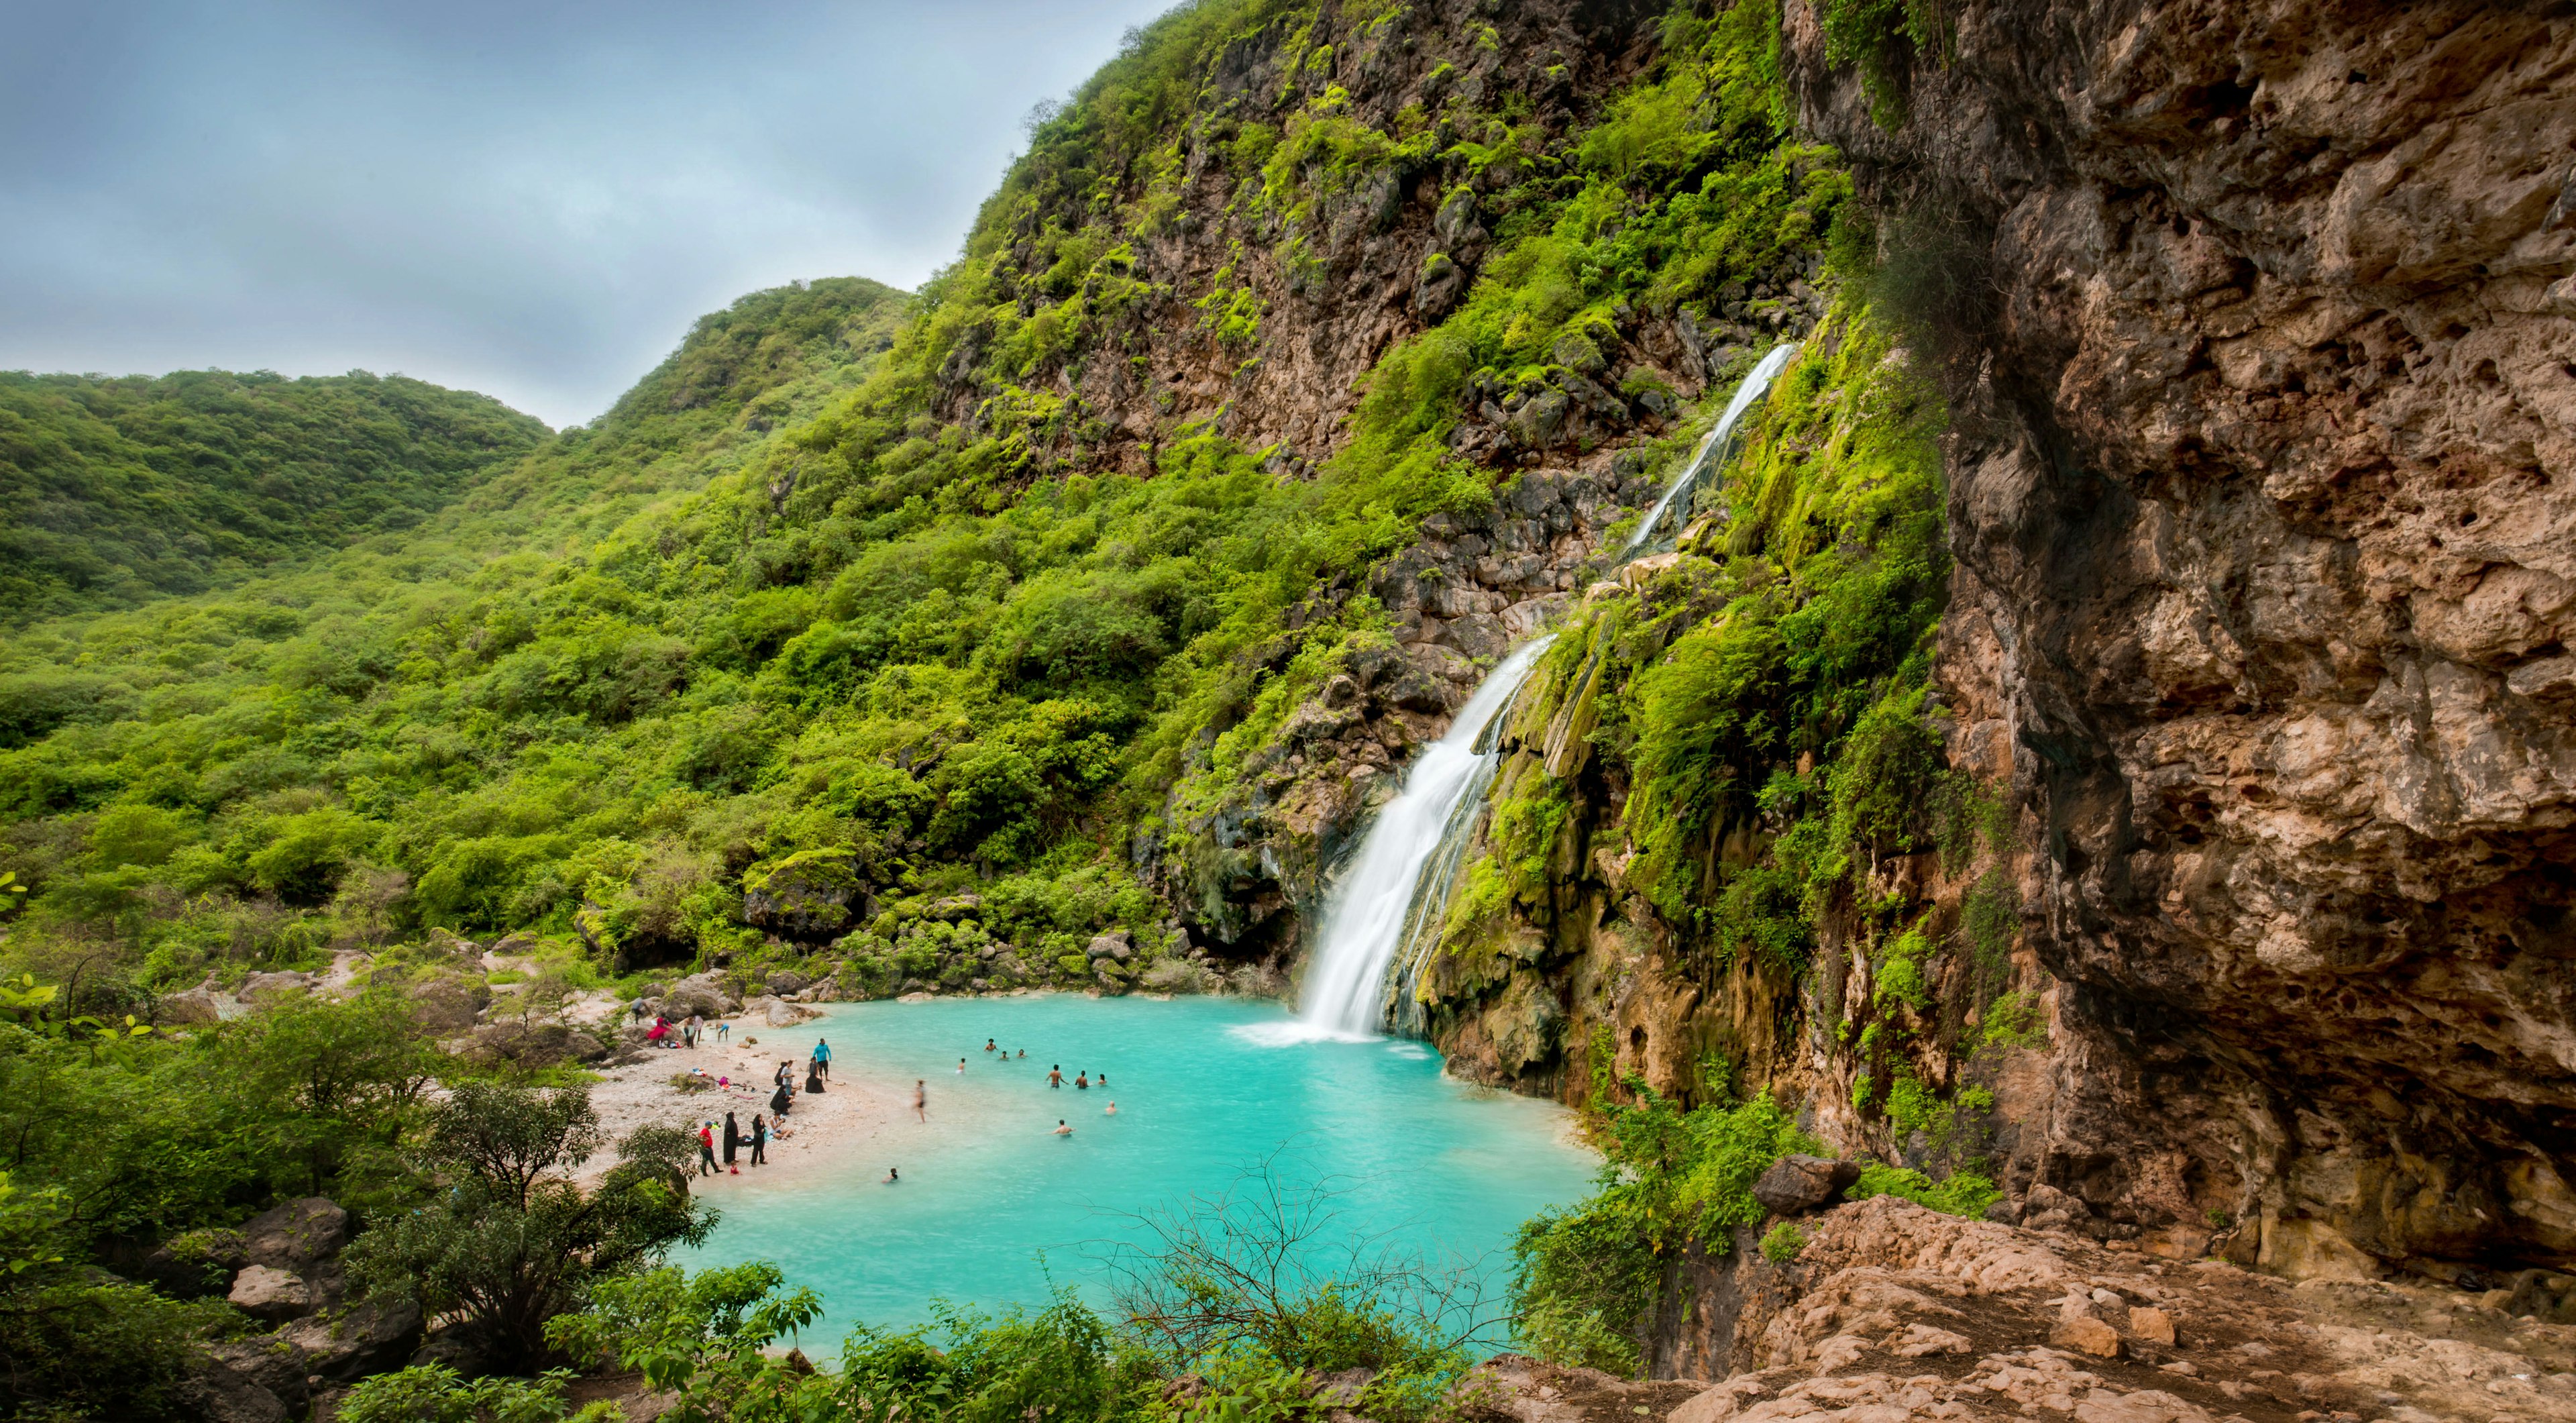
(2263, 489)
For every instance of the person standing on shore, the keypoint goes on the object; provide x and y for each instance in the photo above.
(823, 1059)
(732, 1139)
(759, 1141)
(706, 1148)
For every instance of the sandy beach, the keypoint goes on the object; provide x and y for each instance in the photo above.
(828, 1131)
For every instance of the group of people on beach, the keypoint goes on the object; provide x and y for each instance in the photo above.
(818, 1070)
(665, 1033)
(782, 1100)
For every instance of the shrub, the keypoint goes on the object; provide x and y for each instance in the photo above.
(1782, 1242)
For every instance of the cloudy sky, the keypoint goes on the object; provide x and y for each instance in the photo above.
(531, 198)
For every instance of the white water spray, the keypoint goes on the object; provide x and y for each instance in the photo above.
(1364, 921)
(1747, 391)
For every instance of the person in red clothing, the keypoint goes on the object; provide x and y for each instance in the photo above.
(706, 1148)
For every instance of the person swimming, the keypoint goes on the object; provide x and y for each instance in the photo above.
(988, 1046)
(1024, 1052)
(961, 1064)
(1061, 1129)
(1101, 1081)
(1081, 1082)
(892, 1177)
(1113, 1110)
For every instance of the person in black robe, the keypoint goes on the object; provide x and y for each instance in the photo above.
(813, 1076)
(779, 1100)
(732, 1139)
(759, 1141)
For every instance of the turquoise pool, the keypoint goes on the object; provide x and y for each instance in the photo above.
(993, 1210)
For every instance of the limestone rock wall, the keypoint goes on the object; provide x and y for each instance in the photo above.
(2263, 481)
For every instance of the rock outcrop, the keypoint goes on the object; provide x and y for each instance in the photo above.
(1893, 1312)
(2263, 480)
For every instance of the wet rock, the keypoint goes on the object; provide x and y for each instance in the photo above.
(1801, 1183)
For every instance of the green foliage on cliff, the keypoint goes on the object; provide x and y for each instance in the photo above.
(124, 490)
(1587, 1275)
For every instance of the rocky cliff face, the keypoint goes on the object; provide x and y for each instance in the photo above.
(2261, 500)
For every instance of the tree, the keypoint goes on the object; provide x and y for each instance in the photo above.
(511, 1240)
(325, 1079)
(75, 1343)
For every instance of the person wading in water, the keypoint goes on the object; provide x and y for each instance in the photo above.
(921, 1099)
(1055, 1075)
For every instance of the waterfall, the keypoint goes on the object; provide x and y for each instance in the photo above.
(1713, 444)
(1367, 918)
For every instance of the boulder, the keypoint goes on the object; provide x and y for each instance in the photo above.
(195, 1264)
(1116, 944)
(218, 1392)
(787, 981)
(779, 1013)
(2153, 1325)
(269, 985)
(701, 993)
(1798, 1183)
(447, 1002)
(265, 1292)
(204, 1003)
(809, 894)
(2085, 1334)
(343, 1346)
(528, 1044)
(295, 1236)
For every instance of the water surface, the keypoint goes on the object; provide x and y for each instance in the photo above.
(993, 1210)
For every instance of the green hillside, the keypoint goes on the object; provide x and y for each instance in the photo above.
(124, 490)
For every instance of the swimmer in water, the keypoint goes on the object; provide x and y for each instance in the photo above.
(891, 1177)
(988, 1046)
(1024, 1052)
(1113, 1110)
(1081, 1082)
(1055, 1075)
(961, 1064)
(1061, 1129)
(1101, 1081)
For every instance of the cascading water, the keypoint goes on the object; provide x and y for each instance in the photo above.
(1713, 445)
(1366, 919)
(1398, 886)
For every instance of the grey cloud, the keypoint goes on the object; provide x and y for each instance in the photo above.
(529, 200)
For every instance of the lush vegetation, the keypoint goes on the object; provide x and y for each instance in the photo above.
(883, 624)
(119, 491)
(855, 636)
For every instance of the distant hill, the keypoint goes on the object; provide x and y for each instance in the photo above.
(120, 490)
